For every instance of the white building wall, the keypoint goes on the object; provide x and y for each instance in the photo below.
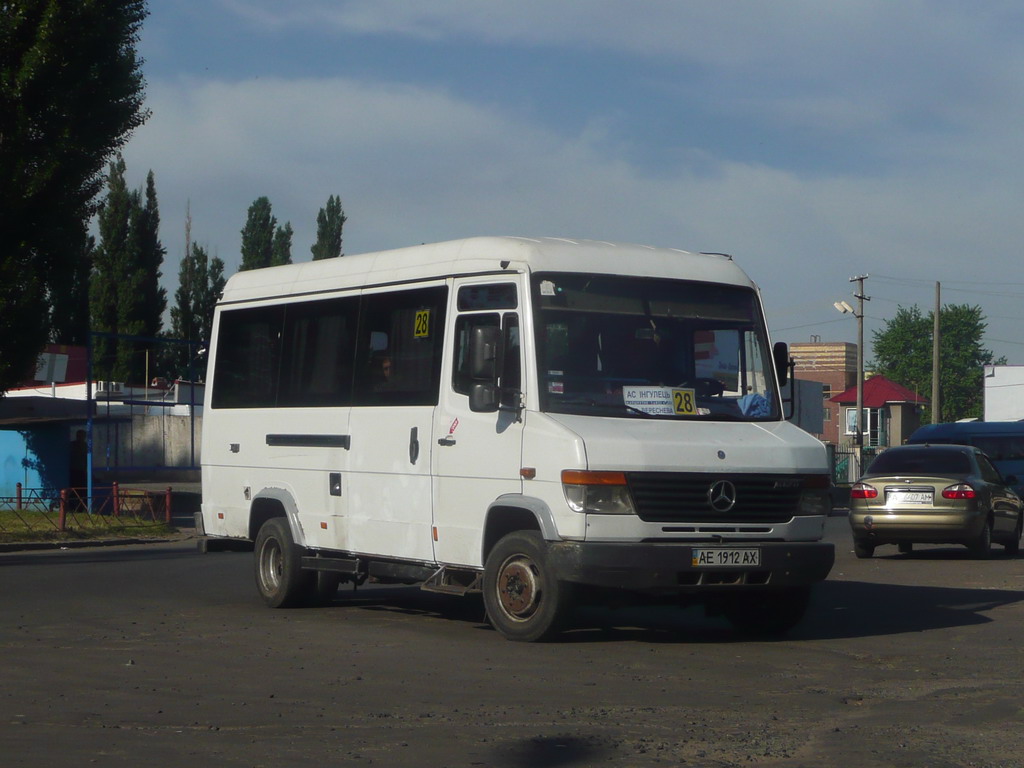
(1004, 392)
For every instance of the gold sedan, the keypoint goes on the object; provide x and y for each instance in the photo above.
(934, 494)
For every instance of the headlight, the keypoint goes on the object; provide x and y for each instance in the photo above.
(814, 496)
(599, 493)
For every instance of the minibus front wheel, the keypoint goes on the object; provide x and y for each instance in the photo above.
(524, 600)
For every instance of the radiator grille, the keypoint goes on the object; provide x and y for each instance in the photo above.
(676, 497)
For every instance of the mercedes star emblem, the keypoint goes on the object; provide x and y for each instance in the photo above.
(722, 496)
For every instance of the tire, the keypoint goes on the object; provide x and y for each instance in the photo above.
(981, 547)
(771, 613)
(524, 600)
(1012, 546)
(323, 587)
(280, 579)
(906, 547)
(863, 549)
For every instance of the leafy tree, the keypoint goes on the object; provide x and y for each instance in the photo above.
(200, 283)
(69, 289)
(258, 235)
(903, 353)
(281, 251)
(71, 93)
(151, 253)
(329, 225)
(125, 294)
(111, 266)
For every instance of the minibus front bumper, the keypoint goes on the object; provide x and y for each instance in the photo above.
(669, 568)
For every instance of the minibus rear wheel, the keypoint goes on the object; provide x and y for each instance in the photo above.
(279, 576)
(524, 600)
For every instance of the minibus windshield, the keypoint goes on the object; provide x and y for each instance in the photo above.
(637, 347)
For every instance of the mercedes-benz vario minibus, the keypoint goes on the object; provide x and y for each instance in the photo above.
(544, 421)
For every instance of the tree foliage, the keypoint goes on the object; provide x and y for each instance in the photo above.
(150, 258)
(903, 353)
(330, 223)
(281, 251)
(125, 296)
(200, 283)
(71, 92)
(258, 235)
(69, 288)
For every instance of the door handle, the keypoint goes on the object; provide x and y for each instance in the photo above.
(446, 441)
(414, 445)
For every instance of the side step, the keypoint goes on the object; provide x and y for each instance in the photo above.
(454, 581)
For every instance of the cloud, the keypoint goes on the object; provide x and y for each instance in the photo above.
(903, 145)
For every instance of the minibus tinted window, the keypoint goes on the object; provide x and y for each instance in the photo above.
(248, 358)
(398, 357)
(318, 352)
(487, 296)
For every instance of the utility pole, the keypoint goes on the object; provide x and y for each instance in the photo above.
(936, 405)
(861, 298)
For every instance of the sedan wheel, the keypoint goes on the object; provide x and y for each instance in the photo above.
(1013, 545)
(981, 547)
(863, 549)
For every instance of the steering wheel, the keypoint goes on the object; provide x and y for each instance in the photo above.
(706, 387)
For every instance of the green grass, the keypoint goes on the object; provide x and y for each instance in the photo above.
(32, 525)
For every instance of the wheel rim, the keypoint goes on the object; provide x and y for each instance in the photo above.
(519, 587)
(271, 565)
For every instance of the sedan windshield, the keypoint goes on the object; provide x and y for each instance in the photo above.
(652, 348)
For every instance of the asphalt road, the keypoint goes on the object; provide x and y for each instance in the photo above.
(156, 655)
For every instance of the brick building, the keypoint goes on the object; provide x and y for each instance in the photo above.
(834, 365)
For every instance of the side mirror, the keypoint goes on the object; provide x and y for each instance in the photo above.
(485, 353)
(780, 351)
(483, 398)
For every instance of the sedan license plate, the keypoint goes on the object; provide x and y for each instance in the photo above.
(908, 497)
(726, 557)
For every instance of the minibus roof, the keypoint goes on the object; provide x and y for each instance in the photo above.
(481, 255)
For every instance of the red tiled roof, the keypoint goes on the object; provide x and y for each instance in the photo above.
(878, 391)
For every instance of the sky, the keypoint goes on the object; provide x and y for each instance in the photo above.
(814, 141)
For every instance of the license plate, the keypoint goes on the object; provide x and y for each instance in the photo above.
(725, 557)
(908, 497)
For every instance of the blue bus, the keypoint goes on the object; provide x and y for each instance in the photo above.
(1002, 441)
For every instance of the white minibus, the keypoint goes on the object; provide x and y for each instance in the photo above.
(543, 421)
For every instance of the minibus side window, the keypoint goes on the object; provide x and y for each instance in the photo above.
(248, 357)
(398, 357)
(318, 353)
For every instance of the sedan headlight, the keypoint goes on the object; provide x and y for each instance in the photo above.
(599, 493)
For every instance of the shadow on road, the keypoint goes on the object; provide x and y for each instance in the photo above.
(839, 609)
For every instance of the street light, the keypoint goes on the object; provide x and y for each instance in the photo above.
(845, 308)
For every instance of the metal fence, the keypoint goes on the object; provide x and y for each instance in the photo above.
(111, 510)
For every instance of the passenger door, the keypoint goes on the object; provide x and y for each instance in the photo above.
(1005, 503)
(477, 456)
(397, 379)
